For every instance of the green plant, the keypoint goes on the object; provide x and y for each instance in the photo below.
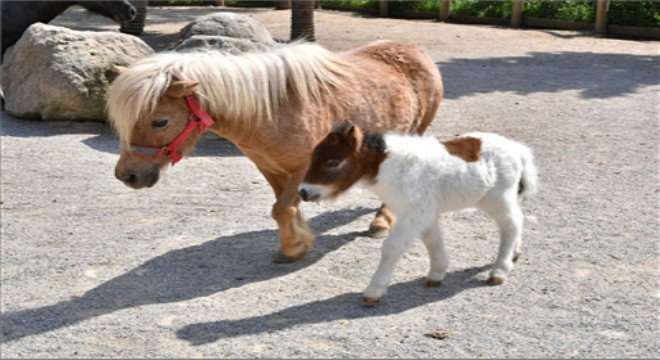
(416, 5)
(634, 13)
(483, 8)
(180, 2)
(572, 10)
(361, 4)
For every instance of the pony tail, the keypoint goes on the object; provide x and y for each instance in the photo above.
(529, 180)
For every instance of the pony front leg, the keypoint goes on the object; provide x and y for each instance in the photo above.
(406, 229)
(296, 237)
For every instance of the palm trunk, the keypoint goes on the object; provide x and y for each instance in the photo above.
(302, 20)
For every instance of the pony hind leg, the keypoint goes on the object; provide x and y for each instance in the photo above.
(382, 223)
(438, 256)
(505, 210)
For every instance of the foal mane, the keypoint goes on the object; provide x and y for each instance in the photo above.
(248, 87)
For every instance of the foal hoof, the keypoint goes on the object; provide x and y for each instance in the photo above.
(516, 256)
(369, 301)
(433, 283)
(285, 259)
(495, 280)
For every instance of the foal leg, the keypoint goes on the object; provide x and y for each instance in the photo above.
(406, 229)
(505, 210)
(432, 238)
(382, 223)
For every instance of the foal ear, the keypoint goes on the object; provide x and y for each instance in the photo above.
(344, 127)
(181, 88)
(354, 136)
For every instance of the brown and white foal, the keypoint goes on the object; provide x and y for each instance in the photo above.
(419, 178)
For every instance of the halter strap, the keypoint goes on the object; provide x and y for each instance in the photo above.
(199, 119)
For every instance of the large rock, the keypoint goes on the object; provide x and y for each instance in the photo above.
(228, 32)
(226, 24)
(223, 43)
(55, 73)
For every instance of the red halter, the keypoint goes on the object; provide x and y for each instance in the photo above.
(198, 118)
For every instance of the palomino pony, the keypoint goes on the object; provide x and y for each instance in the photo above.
(275, 106)
(421, 178)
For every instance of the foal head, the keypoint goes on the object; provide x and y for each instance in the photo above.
(344, 157)
(147, 127)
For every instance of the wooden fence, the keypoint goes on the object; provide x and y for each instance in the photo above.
(599, 26)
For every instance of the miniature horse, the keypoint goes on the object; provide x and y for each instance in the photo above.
(19, 15)
(275, 106)
(419, 178)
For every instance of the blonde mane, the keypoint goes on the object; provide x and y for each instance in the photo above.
(247, 87)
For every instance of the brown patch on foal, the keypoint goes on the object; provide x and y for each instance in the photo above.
(356, 155)
(466, 148)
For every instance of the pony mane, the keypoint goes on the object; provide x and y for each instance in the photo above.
(247, 87)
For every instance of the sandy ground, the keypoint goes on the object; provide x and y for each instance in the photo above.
(93, 269)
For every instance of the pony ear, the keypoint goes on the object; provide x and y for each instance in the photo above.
(119, 69)
(181, 88)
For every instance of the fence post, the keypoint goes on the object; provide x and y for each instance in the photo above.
(601, 16)
(383, 11)
(444, 10)
(516, 13)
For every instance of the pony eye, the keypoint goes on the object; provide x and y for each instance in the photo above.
(159, 123)
(333, 163)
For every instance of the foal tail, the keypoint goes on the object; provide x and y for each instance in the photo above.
(528, 185)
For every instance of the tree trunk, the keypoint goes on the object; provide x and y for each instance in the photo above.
(302, 20)
(282, 5)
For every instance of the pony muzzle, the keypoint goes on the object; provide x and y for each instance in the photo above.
(138, 177)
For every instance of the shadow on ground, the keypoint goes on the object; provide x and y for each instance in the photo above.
(104, 139)
(594, 75)
(180, 275)
(399, 298)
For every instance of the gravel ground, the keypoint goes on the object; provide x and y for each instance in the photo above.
(93, 269)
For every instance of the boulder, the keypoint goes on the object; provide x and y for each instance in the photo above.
(226, 24)
(229, 32)
(223, 43)
(55, 73)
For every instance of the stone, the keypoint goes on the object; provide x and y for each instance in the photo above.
(223, 43)
(228, 25)
(55, 73)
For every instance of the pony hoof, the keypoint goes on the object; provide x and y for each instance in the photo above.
(433, 283)
(516, 256)
(286, 259)
(369, 301)
(378, 232)
(495, 280)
